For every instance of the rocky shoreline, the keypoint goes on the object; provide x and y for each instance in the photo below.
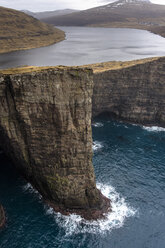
(86, 213)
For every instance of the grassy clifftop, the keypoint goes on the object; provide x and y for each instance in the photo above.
(117, 65)
(18, 31)
(97, 67)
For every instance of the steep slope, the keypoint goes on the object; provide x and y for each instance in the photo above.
(19, 31)
(48, 14)
(140, 14)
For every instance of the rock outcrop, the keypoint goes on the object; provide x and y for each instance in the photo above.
(131, 91)
(45, 127)
(2, 216)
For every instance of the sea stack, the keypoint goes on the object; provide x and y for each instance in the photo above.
(45, 127)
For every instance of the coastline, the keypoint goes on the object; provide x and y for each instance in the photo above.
(88, 213)
(158, 30)
(47, 41)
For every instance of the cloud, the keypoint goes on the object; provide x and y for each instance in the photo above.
(43, 5)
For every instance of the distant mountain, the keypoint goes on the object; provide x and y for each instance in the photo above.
(140, 14)
(48, 14)
(20, 31)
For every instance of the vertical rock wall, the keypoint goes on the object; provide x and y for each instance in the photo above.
(45, 127)
(135, 93)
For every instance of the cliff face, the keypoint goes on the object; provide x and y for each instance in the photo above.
(133, 93)
(45, 127)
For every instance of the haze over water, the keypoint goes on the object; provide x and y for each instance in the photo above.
(85, 45)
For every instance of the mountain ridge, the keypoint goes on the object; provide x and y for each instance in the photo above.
(140, 14)
(47, 14)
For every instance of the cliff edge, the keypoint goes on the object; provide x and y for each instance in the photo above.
(45, 127)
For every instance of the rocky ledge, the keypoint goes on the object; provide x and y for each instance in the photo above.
(2, 216)
(45, 127)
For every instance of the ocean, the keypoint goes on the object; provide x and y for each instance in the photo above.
(129, 163)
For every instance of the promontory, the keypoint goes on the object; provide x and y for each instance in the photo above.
(19, 31)
(45, 123)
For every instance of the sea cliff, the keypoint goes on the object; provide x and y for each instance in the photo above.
(45, 123)
(45, 128)
(132, 91)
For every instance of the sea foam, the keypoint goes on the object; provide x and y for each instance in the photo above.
(97, 124)
(154, 129)
(29, 188)
(97, 145)
(74, 224)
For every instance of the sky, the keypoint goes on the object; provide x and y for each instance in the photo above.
(44, 5)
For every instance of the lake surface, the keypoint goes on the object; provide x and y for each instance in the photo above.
(90, 45)
(129, 163)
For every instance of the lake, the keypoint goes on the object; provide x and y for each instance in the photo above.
(85, 45)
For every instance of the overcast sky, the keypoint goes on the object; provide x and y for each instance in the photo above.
(43, 5)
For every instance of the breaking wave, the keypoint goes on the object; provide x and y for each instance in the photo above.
(97, 145)
(74, 224)
(97, 124)
(154, 129)
(29, 188)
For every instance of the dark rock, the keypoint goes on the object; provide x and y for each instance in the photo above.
(2, 216)
(45, 127)
(134, 94)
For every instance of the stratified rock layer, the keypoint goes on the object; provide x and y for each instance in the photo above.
(133, 93)
(45, 127)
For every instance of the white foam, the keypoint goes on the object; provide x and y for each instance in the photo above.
(154, 129)
(97, 145)
(74, 224)
(97, 124)
(28, 187)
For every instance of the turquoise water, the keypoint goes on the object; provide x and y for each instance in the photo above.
(129, 163)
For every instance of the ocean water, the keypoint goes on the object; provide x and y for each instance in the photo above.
(129, 163)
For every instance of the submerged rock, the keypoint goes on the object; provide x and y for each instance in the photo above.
(2, 216)
(45, 127)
